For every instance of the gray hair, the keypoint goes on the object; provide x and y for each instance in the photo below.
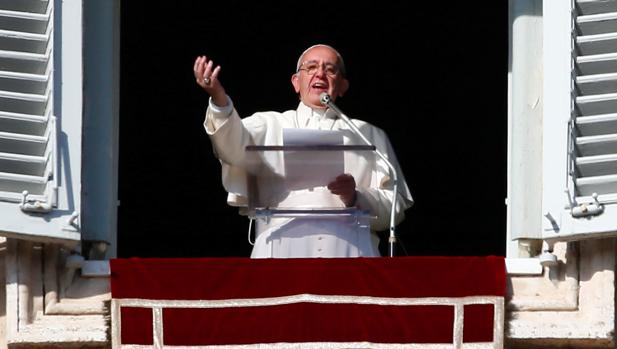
(339, 58)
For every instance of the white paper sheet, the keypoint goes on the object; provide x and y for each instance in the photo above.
(312, 169)
(302, 136)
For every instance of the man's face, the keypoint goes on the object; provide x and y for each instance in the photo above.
(319, 72)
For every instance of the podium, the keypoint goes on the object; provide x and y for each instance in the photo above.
(296, 213)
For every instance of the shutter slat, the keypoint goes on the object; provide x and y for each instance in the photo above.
(16, 197)
(596, 44)
(597, 184)
(597, 24)
(24, 76)
(591, 7)
(36, 57)
(23, 123)
(596, 64)
(23, 144)
(23, 178)
(23, 164)
(23, 41)
(597, 124)
(33, 6)
(23, 158)
(597, 145)
(598, 165)
(597, 84)
(22, 117)
(27, 63)
(23, 35)
(30, 16)
(596, 104)
(24, 103)
(26, 22)
(23, 83)
(17, 183)
(29, 97)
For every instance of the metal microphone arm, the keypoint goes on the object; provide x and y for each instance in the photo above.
(326, 100)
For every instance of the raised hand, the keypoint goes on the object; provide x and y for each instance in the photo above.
(206, 76)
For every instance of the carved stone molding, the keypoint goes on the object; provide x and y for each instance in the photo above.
(573, 305)
(49, 304)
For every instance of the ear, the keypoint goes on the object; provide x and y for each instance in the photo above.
(295, 82)
(343, 87)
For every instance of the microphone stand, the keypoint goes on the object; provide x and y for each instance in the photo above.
(326, 100)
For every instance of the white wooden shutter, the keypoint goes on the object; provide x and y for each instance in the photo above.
(39, 159)
(580, 119)
(27, 125)
(595, 131)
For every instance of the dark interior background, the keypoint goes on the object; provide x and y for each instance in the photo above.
(432, 74)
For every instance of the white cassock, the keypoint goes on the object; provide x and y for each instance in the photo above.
(300, 237)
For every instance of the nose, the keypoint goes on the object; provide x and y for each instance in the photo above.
(321, 70)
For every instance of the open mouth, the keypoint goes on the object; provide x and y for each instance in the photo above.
(319, 86)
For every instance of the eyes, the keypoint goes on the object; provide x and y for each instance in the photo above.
(311, 68)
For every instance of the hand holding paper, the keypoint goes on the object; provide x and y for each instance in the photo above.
(345, 187)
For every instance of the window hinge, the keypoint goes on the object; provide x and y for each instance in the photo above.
(35, 205)
(586, 209)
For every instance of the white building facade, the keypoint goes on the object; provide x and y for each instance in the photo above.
(59, 72)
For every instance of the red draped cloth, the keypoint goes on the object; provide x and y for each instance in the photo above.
(332, 310)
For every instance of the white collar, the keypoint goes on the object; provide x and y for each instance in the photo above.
(305, 113)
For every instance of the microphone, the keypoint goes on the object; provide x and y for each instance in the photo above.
(326, 100)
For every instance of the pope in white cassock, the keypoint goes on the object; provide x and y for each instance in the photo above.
(364, 185)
